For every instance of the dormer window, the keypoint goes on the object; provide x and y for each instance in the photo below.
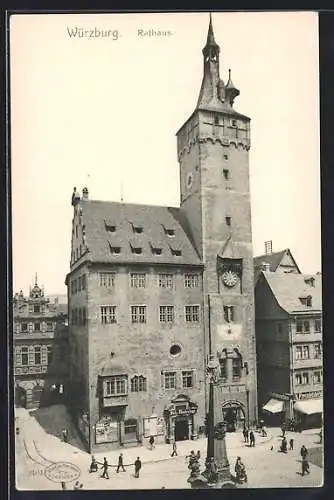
(176, 251)
(110, 226)
(156, 248)
(115, 250)
(306, 301)
(310, 281)
(137, 229)
(136, 250)
(169, 231)
(156, 251)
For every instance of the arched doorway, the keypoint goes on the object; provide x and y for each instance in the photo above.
(233, 415)
(20, 397)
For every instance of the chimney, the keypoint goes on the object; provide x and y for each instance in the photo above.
(85, 193)
(268, 247)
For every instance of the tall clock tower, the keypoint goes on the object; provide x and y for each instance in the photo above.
(213, 153)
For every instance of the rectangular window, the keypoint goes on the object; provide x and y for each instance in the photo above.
(317, 325)
(166, 314)
(302, 326)
(298, 378)
(317, 350)
(192, 314)
(165, 280)
(24, 327)
(305, 378)
(299, 352)
(37, 308)
(191, 280)
(229, 314)
(170, 380)
(37, 352)
(138, 280)
(317, 377)
(108, 315)
(115, 386)
(49, 326)
(236, 369)
(138, 384)
(138, 314)
(83, 282)
(234, 123)
(187, 379)
(306, 352)
(107, 280)
(25, 356)
(223, 369)
(37, 327)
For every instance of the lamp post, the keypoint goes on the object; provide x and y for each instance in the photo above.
(217, 468)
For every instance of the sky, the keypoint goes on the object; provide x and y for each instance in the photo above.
(102, 112)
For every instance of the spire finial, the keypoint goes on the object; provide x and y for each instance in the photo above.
(211, 36)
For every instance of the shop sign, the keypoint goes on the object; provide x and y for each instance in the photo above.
(185, 411)
(280, 397)
(106, 431)
(308, 395)
(154, 426)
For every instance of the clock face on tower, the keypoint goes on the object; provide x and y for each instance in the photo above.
(230, 278)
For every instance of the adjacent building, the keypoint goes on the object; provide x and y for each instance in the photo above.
(40, 333)
(154, 291)
(289, 341)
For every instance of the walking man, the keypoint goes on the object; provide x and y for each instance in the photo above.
(105, 468)
(137, 467)
(291, 444)
(252, 438)
(303, 452)
(305, 466)
(284, 445)
(65, 435)
(283, 429)
(174, 452)
(151, 442)
(120, 463)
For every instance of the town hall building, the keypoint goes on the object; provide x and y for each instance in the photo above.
(154, 291)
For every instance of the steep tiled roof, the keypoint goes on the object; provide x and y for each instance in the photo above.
(155, 221)
(273, 259)
(288, 288)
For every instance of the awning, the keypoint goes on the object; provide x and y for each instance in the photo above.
(274, 406)
(309, 406)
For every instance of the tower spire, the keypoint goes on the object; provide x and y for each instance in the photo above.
(35, 278)
(212, 89)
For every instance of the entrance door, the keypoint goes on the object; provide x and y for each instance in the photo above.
(181, 430)
(234, 418)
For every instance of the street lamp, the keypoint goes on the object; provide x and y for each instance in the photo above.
(217, 468)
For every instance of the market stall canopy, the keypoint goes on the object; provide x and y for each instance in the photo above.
(274, 406)
(309, 406)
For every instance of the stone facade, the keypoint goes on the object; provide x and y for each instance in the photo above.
(289, 343)
(135, 373)
(40, 338)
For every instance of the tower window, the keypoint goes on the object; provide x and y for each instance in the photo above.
(225, 156)
(228, 221)
(226, 174)
(229, 314)
(234, 123)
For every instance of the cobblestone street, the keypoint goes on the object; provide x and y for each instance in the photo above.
(35, 450)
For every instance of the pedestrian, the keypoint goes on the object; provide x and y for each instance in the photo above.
(77, 486)
(251, 438)
(305, 466)
(303, 452)
(284, 445)
(93, 465)
(105, 468)
(283, 429)
(198, 455)
(264, 431)
(151, 442)
(120, 463)
(291, 444)
(320, 436)
(137, 467)
(63, 486)
(65, 435)
(174, 452)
